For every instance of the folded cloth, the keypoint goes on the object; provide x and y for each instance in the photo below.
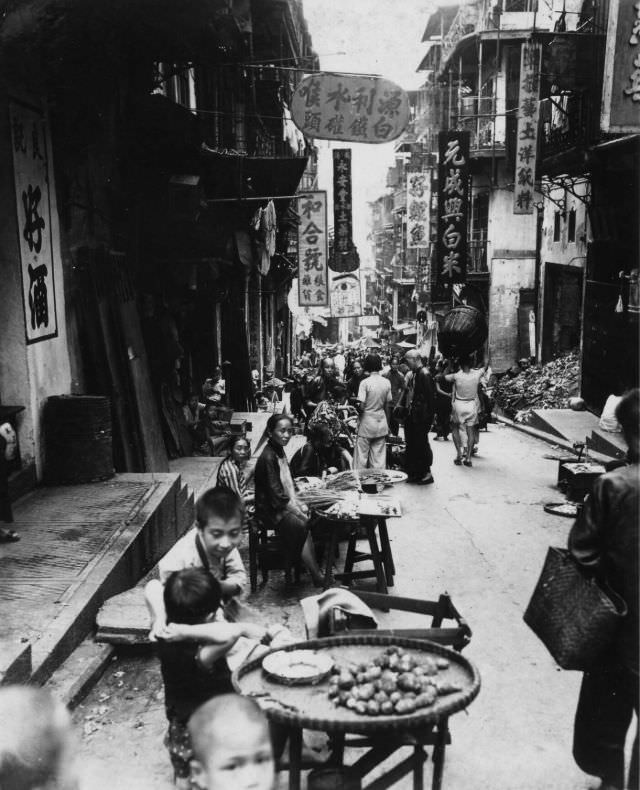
(321, 611)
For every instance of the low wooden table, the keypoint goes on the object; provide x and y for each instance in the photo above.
(309, 707)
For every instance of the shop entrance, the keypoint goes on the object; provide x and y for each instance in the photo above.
(562, 309)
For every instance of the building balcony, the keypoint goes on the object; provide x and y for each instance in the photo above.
(567, 121)
(487, 129)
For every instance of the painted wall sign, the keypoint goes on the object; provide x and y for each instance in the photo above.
(347, 107)
(621, 82)
(313, 282)
(527, 129)
(453, 203)
(418, 208)
(31, 180)
(342, 210)
(345, 296)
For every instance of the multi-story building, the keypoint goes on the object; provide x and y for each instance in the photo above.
(157, 159)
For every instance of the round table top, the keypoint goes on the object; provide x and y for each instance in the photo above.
(309, 706)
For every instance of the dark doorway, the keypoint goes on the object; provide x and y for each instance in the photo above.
(562, 310)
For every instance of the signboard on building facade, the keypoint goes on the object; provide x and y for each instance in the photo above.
(453, 206)
(342, 208)
(350, 107)
(31, 180)
(418, 208)
(345, 296)
(527, 129)
(621, 82)
(313, 275)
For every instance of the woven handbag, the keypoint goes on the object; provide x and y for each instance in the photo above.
(574, 615)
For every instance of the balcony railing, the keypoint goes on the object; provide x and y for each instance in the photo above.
(567, 120)
(477, 116)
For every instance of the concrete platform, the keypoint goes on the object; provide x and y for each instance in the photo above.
(573, 426)
(79, 546)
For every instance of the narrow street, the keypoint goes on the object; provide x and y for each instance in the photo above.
(481, 534)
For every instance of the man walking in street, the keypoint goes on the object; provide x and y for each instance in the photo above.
(420, 407)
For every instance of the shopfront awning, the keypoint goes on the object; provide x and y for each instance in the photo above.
(230, 177)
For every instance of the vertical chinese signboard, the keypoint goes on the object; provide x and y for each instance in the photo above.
(313, 283)
(342, 222)
(621, 81)
(31, 180)
(527, 130)
(453, 206)
(418, 208)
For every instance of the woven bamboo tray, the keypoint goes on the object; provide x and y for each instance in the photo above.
(310, 707)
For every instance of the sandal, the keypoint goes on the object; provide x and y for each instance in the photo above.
(467, 463)
(8, 536)
(457, 461)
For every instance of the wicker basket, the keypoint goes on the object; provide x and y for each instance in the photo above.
(78, 439)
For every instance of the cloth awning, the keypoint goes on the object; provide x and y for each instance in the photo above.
(233, 176)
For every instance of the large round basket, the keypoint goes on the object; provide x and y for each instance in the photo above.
(463, 331)
(310, 707)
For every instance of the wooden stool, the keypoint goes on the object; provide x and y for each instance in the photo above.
(379, 554)
(266, 553)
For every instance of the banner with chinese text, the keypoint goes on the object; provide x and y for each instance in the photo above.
(346, 299)
(418, 208)
(31, 180)
(350, 107)
(313, 283)
(527, 130)
(453, 205)
(343, 258)
(621, 82)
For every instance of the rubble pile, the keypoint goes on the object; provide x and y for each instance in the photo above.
(539, 387)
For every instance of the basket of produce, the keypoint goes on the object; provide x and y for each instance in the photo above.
(376, 683)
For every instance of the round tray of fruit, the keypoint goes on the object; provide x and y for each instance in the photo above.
(376, 683)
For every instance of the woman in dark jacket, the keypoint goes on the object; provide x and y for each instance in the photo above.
(320, 454)
(604, 540)
(276, 501)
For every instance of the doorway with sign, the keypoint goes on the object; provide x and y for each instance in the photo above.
(562, 310)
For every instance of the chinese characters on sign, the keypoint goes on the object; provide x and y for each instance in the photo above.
(346, 107)
(418, 208)
(313, 285)
(621, 82)
(453, 198)
(342, 222)
(31, 178)
(345, 296)
(527, 130)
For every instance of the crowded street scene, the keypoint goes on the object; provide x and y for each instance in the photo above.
(319, 395)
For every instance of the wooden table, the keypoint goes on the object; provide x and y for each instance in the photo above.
(379, 552)
(309, 707)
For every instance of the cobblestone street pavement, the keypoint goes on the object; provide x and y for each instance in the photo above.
(481, 534)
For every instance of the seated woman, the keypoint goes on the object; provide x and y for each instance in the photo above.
(320, 454)
(234, 472)
(276, 501)
(216, 432)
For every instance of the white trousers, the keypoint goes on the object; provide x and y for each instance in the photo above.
(370, 453)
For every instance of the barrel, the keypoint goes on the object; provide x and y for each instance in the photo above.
(78, 439)
(463, 331)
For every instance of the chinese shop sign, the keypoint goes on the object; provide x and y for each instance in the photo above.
(453, 199)
(621, 88)
(418, 208)
(343, 259)
(351, 108)
(313, 284)
(527, 129)
(31, 180)
(346, 299)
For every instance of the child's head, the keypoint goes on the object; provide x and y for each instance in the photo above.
(231, 745)
(191, 596)
(219, 513)
(36, 741)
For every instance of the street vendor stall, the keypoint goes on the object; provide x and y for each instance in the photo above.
(330, 685)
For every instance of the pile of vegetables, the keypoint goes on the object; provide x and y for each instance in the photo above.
(393, 683)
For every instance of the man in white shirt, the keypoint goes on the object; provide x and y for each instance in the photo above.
(340, 362)
(374, 396)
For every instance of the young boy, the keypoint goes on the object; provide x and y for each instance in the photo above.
(192, 649)
(231, 746)
(212, 544)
